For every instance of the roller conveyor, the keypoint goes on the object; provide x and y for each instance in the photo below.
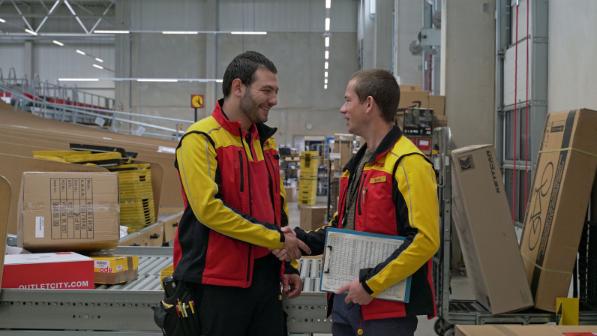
(126, 309)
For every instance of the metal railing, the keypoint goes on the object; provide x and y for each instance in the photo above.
(116, 121)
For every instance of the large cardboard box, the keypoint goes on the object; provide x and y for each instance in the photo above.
(68, 211)
(558, 203)
(486, 232)
(12, 168)
(4, 202)
(63, 270)
(312, 216)
(114, 270)
(413, 98)
(524, 330)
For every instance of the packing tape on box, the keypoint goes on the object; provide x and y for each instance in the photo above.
(569, 149)
(544, 268)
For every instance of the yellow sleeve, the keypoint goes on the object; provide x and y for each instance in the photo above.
(197, 164)
(416, 182)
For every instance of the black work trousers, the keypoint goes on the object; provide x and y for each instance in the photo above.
(257, 310)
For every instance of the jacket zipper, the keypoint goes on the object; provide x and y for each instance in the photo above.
(358, 193)
(242, 141)
(271, 187)
(242, 174)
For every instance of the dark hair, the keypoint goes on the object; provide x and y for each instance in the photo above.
(382, 86)
(243, 67)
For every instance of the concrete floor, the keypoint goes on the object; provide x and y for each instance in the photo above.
(460, 285)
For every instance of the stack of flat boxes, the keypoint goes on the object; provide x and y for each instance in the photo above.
(308, 178)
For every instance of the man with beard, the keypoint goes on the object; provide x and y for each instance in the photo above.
(234, 209)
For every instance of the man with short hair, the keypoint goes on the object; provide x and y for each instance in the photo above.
(235, 207)
(388, 187)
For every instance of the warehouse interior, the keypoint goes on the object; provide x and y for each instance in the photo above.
(97, 94)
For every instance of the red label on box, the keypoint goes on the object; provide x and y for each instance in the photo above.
(48, 271)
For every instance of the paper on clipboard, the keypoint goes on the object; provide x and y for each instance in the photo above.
(347, 251)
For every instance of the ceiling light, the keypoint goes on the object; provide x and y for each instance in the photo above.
(98, 66)
(327, 41)
(326, 54)
(99, 60)
(157, 80)
(179, 32)
(325, 81)
(58, 43)
(326, 65)
(78, 79)
(248, 33)
(81, 52)
(31, 32)
(327, 24)
(325, 86)
(2, 20)
(99, 31)
(325, 74)
(328, 4)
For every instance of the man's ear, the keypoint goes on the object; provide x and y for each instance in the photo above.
(237, 87)
(370, 102)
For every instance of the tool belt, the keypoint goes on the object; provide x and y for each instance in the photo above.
(177, 314)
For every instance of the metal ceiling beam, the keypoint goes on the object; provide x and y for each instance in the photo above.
(50, 11)
(21, 14)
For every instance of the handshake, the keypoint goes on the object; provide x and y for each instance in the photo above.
(293, 248)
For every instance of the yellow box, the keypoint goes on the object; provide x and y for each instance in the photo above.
(115, 269)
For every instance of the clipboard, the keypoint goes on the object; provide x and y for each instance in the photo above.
(348, 251)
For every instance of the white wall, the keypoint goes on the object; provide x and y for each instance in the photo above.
(468, 69)
(294, 43)
(51, 62)
(572, 81)
(12, 56)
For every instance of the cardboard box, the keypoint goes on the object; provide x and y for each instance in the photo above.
(558, 203)
(486, 232)
(4, 202)
(68, 211)
(438, 105)
(62, 270)
(413, 98)
(115, 269)
(312, 216)
(524, 330)
(12, 168)
(170, 225)
(148, 236)
(290, 194)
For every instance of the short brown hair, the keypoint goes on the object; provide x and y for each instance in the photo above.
(382, 86)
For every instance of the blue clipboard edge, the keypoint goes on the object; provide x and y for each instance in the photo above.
(368, 234)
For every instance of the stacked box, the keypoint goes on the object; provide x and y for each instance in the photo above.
(114, 270)
(308, 177)
(136, 195)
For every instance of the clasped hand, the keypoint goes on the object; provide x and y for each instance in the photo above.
(293, 248)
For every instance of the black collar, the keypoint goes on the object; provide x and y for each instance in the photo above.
(385, 146)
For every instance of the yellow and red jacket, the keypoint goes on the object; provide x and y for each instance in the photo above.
(397, 195)
(234, 201)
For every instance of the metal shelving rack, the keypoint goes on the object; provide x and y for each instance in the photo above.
(454, 311)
